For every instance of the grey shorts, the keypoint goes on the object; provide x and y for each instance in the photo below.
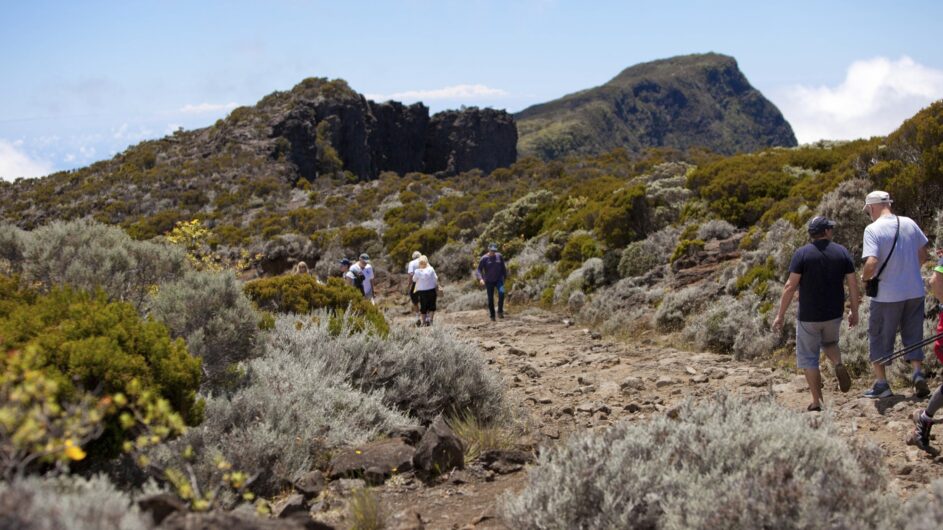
(811, 337)
(886, 319)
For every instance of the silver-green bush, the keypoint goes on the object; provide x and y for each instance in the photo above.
(507, 223)
(210, 311)
(421, 373)
(843, 205)
(726, 463)
(88, 255)
(641, 257)
(291, 412)
(12, 245)
(68, 503)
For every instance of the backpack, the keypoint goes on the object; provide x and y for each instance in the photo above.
(358, 280)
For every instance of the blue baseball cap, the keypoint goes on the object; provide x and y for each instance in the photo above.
(344, 261)
(493, 247)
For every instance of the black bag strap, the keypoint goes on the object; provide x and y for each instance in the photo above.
(891, 253)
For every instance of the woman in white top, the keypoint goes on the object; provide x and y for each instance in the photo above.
(427, 285)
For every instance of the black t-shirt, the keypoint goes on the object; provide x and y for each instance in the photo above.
(823, 266)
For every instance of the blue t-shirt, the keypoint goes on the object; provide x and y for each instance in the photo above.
(901, 279)
(823, 266)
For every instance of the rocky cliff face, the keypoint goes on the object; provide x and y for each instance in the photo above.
(370, 137)
(683, 102)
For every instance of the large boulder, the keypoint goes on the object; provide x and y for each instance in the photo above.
(382, 459)
(440, 449)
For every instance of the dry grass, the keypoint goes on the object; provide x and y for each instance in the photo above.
(479, 437)
(365, 511)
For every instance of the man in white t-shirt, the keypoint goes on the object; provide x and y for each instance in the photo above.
(899, 301)
(413, 295)
(360, 275)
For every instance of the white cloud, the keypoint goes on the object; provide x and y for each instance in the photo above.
(15, 163)
(202, 108)
(876, 96)
(449, 92)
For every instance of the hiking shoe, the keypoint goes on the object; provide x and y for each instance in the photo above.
(920, 385)
(500, 315)
(844, 380)
(921, 435)
(492, 318)
(880, 390)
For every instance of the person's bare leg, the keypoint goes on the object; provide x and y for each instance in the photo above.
(814, 378)
(833, 353)
(880, 371)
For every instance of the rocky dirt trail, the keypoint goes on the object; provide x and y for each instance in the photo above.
(569, 379)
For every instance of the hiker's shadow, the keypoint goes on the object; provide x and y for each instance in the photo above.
(882, 405)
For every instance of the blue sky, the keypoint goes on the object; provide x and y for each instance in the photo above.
(83, 80)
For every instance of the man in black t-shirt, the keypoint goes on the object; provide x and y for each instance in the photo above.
(817, 270)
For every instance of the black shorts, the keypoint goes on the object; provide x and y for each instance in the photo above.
(427, 300)
(413, 295)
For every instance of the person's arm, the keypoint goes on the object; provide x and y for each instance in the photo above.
(480, 272)
(788, 292)
(854, 297)
(504, 269)
(869, 269)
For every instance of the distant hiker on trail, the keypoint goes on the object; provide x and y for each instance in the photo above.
(301, 268)
(426, 287)
(894, 248)
(923, 418)
(363, 273)
(413, 297)
(818, 270)
(491, 273)
(353, 274)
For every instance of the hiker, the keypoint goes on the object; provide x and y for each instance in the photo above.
(301, 268)
(894, 248)
(363, 271)
(923, 418)
(491, 273)
(426, 287)
(353, 274)
(818, 270)
(413, 297)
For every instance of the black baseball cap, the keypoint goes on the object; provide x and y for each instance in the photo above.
(345, 261)
(819, 224)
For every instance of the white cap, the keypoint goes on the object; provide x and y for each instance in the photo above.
(877, 197)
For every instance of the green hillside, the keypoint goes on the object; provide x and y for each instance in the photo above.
(693, 101)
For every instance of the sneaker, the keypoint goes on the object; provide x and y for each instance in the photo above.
(492, 318)
(921, 435)
(920, 385)
(844, 380)
(880, 390)
(501, 315)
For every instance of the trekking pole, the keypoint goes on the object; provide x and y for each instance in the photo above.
(907, 349)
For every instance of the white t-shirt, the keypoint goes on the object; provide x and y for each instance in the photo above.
(901, 279)
(425, 278)
(367, 272)
(412, 266)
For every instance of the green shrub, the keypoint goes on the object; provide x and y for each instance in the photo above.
(686, 247)
(579, 247)
(427, 240)
(357, 237)
(303, 294)
(624, 217)
(85, 343)
(12, 246)
(209, 311)
(726, 463)
(756, 277)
